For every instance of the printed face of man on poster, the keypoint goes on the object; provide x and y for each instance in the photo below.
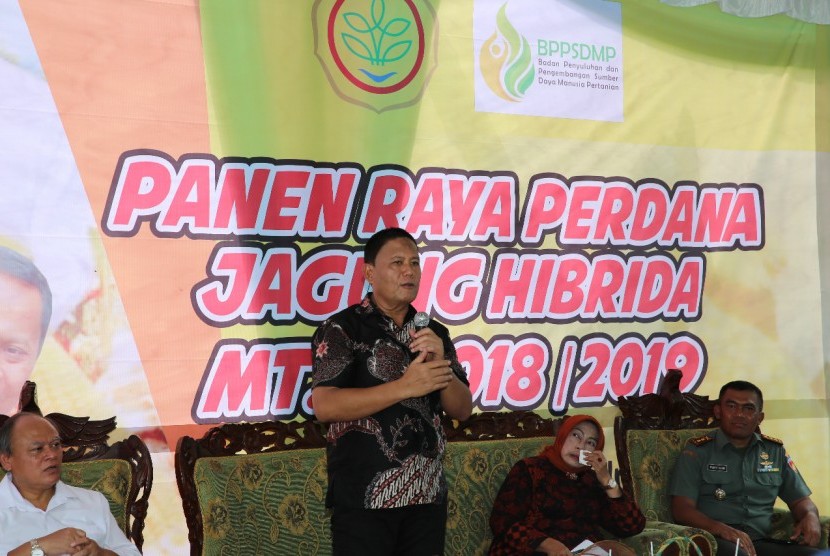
(25, 311)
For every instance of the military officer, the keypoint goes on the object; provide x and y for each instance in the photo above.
(727, 481)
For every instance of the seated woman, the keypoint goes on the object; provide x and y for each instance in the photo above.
(551, 503)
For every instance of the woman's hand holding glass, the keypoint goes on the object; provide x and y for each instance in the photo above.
(599, 464)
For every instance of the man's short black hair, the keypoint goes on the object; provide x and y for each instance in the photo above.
(7, 429)
(17, 266)
(742, 386)
(381, 238)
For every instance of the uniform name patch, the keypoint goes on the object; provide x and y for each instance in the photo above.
(717, 467)
(767, 467)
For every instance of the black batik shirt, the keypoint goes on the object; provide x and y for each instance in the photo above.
(392, 458)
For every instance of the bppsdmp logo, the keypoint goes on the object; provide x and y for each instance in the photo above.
(376, 53)
(505, 60)
(549, 58)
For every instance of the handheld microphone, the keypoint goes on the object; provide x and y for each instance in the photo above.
(420, 321)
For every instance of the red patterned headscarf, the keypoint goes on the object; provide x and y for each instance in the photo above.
(554, 451)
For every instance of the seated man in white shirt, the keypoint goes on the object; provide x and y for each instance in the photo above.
(39, 514)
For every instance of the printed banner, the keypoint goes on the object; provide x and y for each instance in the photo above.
(601, 191)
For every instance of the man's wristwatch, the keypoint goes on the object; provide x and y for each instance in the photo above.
(36, 549)
(611, 484)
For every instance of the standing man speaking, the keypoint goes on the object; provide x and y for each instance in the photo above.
(382, 383)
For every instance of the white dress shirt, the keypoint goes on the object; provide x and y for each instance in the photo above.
(20, 521)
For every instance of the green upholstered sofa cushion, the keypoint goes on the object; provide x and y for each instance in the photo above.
(110, 477)
(652, 454)
(269, 503)
(274, 503)
(475, 471)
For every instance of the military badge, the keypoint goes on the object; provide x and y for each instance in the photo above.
(766, 465)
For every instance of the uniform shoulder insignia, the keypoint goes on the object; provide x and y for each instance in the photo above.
(773, 439)
(701, 440)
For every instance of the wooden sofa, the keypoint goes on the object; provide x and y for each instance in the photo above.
(262, 486)
(122, 472)
(649, 436)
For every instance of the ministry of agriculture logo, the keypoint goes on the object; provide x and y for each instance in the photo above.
(506, 61)
(376, 53)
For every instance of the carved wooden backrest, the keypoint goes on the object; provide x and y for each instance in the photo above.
(492, 425)
(85, 440)
(259, 438)
(229, 440)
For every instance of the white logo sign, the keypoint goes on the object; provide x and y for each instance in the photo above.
(554, 58)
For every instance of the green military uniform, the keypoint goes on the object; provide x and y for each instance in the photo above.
(737, 486)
